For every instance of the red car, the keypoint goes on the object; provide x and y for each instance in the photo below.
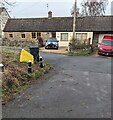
(106, 46)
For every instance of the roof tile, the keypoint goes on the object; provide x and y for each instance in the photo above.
(59, 24)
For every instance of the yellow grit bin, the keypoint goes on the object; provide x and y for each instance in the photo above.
(26, 56)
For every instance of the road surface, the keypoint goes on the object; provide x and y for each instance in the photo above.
(77, 87)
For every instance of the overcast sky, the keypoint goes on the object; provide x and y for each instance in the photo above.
(38, 8)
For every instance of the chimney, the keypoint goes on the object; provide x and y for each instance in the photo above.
(49, 14)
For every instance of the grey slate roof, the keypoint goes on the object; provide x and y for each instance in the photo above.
(59, 24)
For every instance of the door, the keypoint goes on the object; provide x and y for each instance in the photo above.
(54, 34)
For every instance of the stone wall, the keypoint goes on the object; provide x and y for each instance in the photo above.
(28, 35)
(19, 43)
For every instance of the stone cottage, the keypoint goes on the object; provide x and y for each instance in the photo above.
(88, 28)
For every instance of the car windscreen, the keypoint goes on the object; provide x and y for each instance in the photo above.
(52, 40)
(107, 42)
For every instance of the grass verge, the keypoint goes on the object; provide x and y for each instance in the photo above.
(15, 77)
(81, 54)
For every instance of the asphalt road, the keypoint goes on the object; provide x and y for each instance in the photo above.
(77, 87)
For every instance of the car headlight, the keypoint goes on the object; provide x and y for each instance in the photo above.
(100, 48)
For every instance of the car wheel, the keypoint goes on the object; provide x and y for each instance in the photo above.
(99, 53)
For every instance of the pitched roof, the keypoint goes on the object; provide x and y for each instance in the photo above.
(59, 24)
(39, 24)
(97, 23)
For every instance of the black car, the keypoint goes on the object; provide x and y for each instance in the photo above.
(51, 43)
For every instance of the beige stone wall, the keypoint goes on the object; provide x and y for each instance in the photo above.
(17, 35)
(46, 35)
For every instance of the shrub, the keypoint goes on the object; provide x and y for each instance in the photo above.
(19, 43)
(78, 48)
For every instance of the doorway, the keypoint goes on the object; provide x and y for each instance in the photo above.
(54, 34)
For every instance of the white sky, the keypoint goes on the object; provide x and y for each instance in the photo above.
(38, 8)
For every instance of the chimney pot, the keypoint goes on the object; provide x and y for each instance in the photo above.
(49, 14)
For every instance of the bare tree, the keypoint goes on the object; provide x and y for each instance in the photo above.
(4, 3)
(93, 7)
(77, 12)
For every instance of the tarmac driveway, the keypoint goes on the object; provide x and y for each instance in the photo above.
(77, 87)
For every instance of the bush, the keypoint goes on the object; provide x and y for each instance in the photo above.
(78, 48)
(19, 43)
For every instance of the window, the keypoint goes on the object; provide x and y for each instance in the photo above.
(38, 34)
(78, 36)
(33, 35)
(23, 35)
(84, 36)
(64, 36)
(11, 35)
(81, 36)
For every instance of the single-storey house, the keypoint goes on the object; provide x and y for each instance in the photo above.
(89, 29)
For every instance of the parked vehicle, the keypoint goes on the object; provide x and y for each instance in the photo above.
(106, 46)
(51, 43)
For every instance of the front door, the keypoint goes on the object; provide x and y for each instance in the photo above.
(54, 34)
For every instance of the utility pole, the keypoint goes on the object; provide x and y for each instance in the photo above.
(74, 19)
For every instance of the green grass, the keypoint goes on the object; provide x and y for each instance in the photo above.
(16, 77)
(81, 54)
